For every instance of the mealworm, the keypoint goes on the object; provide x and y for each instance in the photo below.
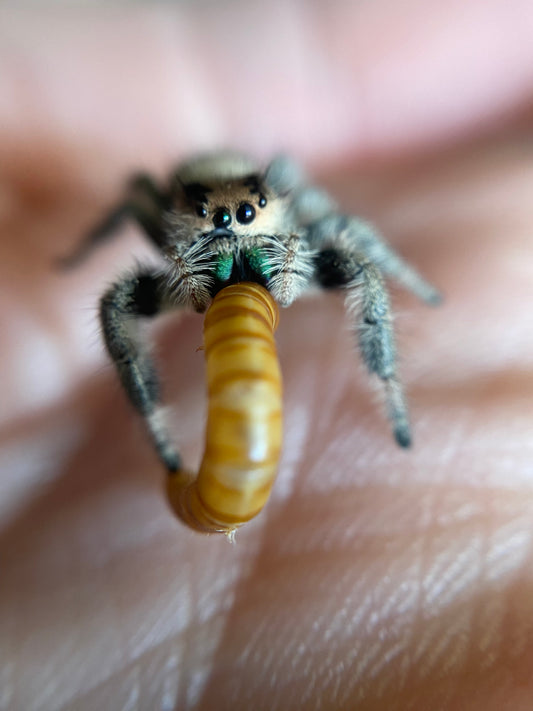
(244, 416)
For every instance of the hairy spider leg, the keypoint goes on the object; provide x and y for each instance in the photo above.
(143, 203)
(355, 234)
(143, 294)
(368, 301)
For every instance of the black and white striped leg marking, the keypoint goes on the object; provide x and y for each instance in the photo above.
(121, 309)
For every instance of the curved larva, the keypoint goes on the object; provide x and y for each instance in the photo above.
(244, 417)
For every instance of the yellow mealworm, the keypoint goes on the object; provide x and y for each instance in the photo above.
(244, 418)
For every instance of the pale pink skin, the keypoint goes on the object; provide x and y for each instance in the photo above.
(375, 578)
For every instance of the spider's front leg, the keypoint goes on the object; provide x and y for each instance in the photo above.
(368, 298)
(122, 307)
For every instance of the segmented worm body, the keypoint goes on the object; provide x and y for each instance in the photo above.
(244, 418)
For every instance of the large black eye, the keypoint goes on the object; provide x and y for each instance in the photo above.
(245, 213)
(201, 211)
(222, 217)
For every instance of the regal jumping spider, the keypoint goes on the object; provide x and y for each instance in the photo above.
(221, 220)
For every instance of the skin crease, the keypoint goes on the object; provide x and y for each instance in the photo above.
(375, 578)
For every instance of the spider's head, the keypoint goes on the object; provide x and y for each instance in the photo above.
(225, 193)
(241, 206)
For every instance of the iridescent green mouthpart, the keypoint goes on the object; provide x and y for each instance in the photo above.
(224, 267)
(259, 261)
(257, 258)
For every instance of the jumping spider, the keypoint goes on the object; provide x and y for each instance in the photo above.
(221, 220)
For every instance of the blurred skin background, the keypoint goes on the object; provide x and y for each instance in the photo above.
(375, 578)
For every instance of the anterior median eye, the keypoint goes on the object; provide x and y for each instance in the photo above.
(245, 213)
(222, 217)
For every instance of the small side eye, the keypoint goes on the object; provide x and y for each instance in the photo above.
(245, 213)
(262, 201)
(201, 211)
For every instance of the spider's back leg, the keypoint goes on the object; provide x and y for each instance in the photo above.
(144, 203)
(355, 234)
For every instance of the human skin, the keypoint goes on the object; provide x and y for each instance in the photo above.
(375, 578)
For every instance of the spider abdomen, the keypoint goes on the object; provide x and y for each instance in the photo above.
(244, 420)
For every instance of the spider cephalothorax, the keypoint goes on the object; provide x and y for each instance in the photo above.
(228, 223)
(221, 220)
